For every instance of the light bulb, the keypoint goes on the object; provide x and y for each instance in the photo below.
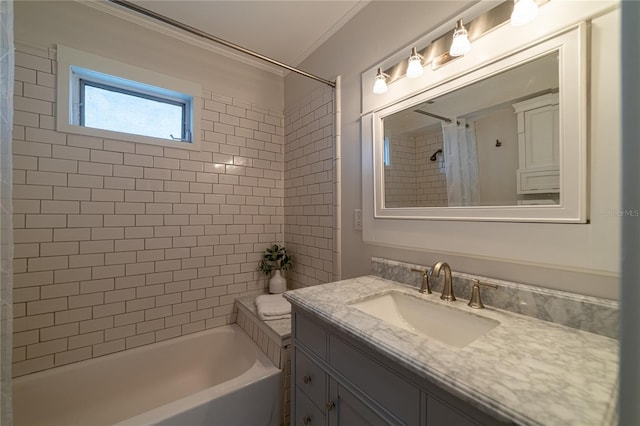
(524, 11)
(380, 85)
(460, 44)
(415, 64)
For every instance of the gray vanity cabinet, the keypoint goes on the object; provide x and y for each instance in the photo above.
(337, 381)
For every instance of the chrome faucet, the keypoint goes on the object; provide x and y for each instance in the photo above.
(447, 290)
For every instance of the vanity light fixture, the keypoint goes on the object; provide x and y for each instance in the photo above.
(442, 50)
(524, 11)
(380, 85)
(414, 69)
(460, 44)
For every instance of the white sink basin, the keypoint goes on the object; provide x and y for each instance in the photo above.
(434, 321)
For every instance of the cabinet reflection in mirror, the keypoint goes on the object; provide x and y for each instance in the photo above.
(494, 142)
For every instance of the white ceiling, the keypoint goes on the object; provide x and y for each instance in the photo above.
(287, 31)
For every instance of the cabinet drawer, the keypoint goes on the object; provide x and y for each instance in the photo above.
(310, 334)
(306, 413)
(533, 182)
(311, 379)
(390, 391)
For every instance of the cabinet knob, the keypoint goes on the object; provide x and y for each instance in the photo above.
(331, 405)
(306, 420)
(306, 380)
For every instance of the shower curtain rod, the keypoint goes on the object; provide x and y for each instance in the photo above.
(199, 33)
(439, 117)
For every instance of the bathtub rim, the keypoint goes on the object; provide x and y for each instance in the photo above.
(261, 368)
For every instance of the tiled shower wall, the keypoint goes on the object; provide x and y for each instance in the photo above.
(430, 175)
(119, 244)
(400, 179)
(309, 189)
(412, 179)
(6, 234)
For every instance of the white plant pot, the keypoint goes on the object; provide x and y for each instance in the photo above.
(277, 283)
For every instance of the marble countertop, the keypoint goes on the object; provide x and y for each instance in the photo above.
(525, 370)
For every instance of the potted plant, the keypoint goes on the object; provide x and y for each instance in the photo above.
(275, 258)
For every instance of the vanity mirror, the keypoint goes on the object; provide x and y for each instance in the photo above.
(502, 142)
(491, 143)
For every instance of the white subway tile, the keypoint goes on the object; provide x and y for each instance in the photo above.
(120, 257)
(46, 221)
(58, 331)
(86, 260)
(32, 192)
(108, 347)
(59, 290)
(107, 271)
(46, 348)
(36, 106)
(85, 181)
(120, 332)
(92, 168)
(107, 194)
(71, 356)
(168, 333)
(48, 263)
(138, 160)
(71, 275)
(89, 326)
(104, 310)
(46, 306)
(63, 193)
(128, 171)
(140, 340)
(119, 146)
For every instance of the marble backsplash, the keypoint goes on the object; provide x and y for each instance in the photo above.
(599, 316)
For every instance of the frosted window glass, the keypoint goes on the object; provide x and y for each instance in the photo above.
(123, 112)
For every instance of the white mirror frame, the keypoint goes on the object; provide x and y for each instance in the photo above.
(572, 51)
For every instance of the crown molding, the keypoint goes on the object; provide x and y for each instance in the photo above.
(119, 12)
(331, 31)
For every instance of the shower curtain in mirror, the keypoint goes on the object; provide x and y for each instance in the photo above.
(461, 163)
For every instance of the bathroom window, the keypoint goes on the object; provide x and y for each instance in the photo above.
(108, 103)
(104, 98)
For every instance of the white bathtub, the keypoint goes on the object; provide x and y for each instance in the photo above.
(215, 377)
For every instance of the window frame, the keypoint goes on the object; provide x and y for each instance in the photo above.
(76, 67)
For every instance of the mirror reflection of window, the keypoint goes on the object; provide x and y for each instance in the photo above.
(386, 153)
(498, 140)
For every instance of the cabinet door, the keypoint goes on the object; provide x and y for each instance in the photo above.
(310, 379)
(440, 414)
(305, 412)
(541, 137)
(345, 409)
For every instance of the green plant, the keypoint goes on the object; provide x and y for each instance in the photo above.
(275, 257)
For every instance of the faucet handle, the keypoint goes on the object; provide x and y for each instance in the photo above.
(426, 287)
(476, 300)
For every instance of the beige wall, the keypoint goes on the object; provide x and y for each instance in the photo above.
(381, 29)
(497, 165)
(119, 244)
